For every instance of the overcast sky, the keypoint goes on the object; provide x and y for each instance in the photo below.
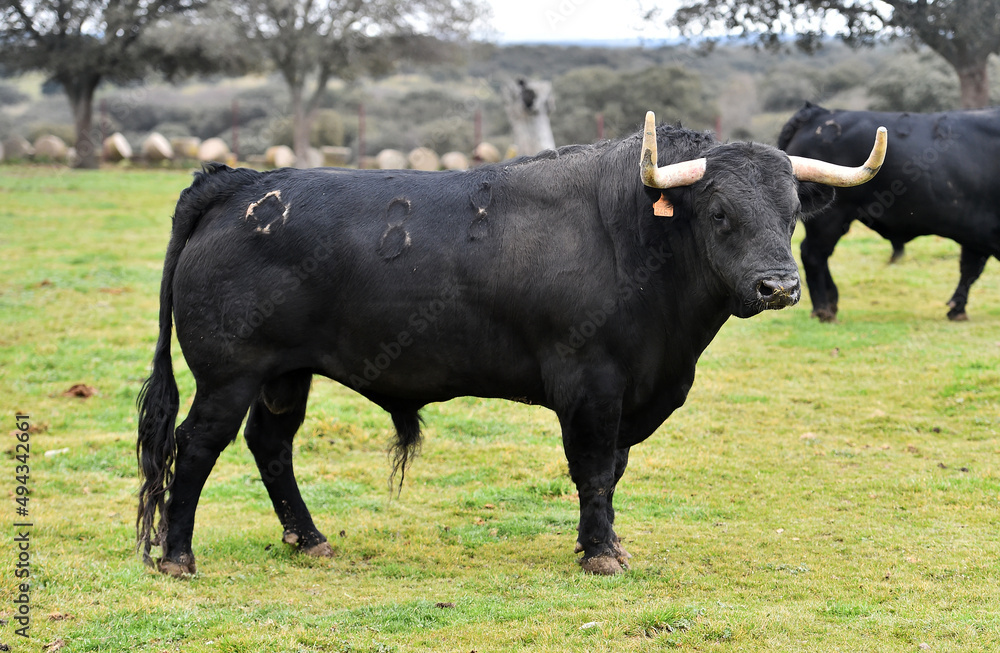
(516, 21)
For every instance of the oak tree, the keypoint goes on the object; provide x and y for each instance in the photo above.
(81, 43)
(963, 32)
(310, 42)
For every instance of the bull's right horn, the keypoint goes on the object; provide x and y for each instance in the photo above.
(834, 175)
(684, 173)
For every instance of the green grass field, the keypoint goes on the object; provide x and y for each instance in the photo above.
(825, 488)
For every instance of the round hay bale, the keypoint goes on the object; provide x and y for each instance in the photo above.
(424, 158)
(116, 148)
(391, 160)
(213, 149)
(156, 147)
(17, 147)
(486, 153)
(186, 147)
(280, 156)
(51, 147)
(454, 161)
(1, 151)
(335, 156)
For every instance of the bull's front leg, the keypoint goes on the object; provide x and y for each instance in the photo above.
(621, 462)
(817, 247)
(590, 433)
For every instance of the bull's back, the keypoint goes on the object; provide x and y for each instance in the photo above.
(360, 275)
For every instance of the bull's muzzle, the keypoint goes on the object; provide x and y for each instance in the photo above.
(779, 292)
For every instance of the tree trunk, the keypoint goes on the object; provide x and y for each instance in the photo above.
(80, 93)
(301, 128)
(528, 105)
(974, 84)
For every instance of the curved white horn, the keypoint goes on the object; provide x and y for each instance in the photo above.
(671, 176)
(834, 175)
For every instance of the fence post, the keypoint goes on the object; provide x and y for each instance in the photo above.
(236, 128)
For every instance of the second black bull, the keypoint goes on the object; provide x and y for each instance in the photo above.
(940, 177)
(587, 279)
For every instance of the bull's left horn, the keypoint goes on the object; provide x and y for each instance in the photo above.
(684, 173)
(834, 175)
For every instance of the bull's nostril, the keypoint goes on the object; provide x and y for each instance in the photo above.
(771, 289)
(767, 287)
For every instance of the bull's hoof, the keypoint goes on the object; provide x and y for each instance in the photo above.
(622, 554)
(604, 565)
(321, 550)
(608, 563)
(825, 315)
(619, 550)
(958, 316)
(183, 567)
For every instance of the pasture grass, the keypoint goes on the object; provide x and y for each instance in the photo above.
(825, 488)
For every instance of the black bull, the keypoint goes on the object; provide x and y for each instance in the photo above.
(560, 280)
(939, 178)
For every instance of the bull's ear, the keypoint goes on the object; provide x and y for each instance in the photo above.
(664, 201)
(814, 198)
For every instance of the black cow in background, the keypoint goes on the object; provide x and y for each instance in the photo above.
(940, 177)
(587, 279)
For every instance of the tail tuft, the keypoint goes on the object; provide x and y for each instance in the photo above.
(406, 446)
(155, 448)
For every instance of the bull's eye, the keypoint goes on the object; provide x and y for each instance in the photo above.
(719, 217)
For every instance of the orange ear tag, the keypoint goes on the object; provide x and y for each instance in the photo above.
(663, 207)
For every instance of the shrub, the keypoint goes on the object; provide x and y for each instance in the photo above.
(10, 95)
(915, 82)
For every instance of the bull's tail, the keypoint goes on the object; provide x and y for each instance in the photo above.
(158, 400)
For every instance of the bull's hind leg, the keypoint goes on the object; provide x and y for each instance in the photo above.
(274, 419)
(212, 423)
(970, 265)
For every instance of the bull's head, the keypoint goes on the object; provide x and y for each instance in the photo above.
(745, 204)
